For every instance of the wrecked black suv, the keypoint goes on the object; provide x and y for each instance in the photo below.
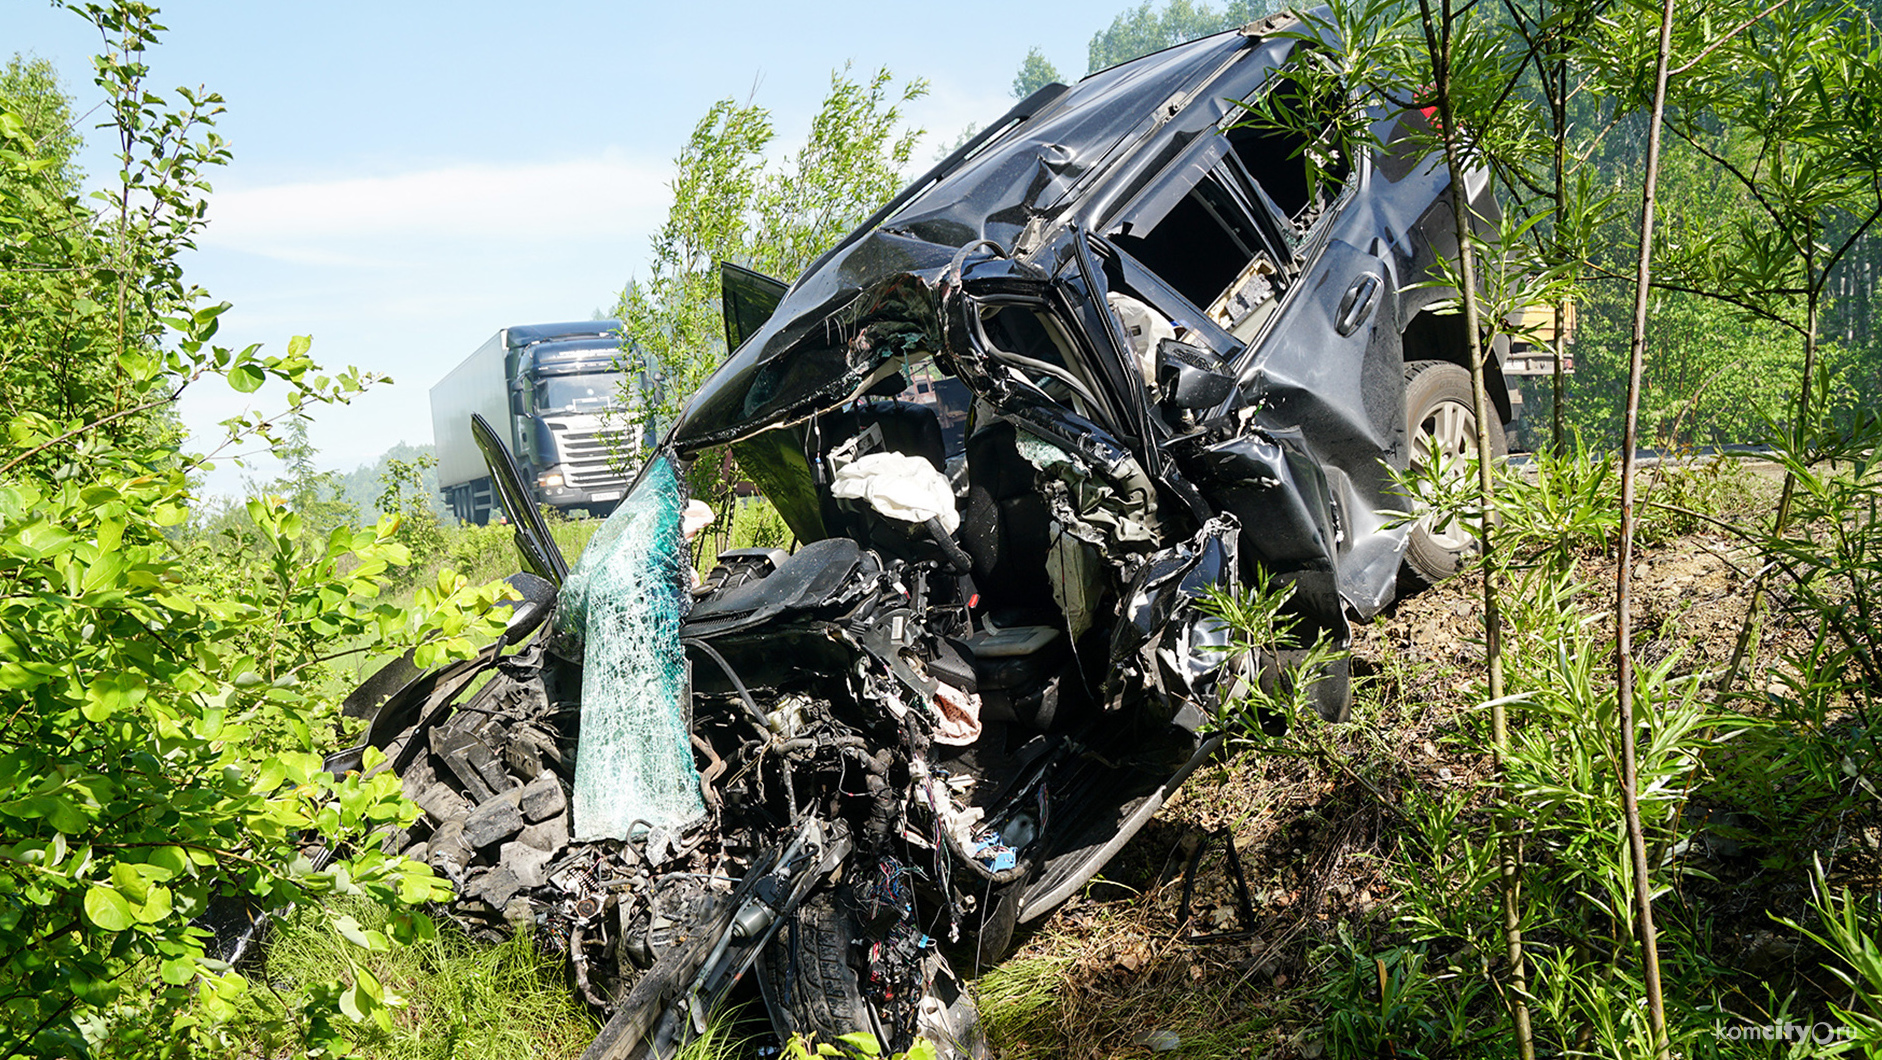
(1114, 352)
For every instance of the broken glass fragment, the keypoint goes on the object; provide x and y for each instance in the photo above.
(624, 600)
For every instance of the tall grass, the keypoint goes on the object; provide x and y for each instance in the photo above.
(1775, 774)
(1743, 791)
(463, 998)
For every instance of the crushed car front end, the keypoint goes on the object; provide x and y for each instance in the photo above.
(1119, 351)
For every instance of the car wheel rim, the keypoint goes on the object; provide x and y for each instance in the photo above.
(1448, 434)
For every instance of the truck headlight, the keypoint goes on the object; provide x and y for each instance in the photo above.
(549, 480)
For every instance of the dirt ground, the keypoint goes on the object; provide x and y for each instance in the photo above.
(1135, 966)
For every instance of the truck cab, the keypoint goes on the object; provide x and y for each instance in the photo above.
(557, 387)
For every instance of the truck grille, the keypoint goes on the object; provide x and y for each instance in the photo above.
(585, 460)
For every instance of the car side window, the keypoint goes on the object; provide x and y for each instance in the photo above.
(1226, 224)
(1300, 169)
(1207, 233)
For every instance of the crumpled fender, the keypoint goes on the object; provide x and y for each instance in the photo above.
(1164, 645)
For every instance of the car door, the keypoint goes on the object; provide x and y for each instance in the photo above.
(1266, 236)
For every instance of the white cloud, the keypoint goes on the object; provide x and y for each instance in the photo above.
(346, 222)
(404, 274)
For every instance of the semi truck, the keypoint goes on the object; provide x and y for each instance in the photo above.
(553, 393)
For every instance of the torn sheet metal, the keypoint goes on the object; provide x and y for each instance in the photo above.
(1114, 511)
(1165, 642)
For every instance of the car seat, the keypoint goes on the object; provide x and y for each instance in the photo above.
(1006, 530)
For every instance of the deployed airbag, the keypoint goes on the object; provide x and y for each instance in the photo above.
(901, 487)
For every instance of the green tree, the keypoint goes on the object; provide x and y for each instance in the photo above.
(673, 314)
(1139, 31)
(1716, 377)
(317, 496)
(159, 703)
(31, 92)
(852, 162)
(1035, 73)
(1644, 921)
(1553, 33)
(729, 205)
(54, 330)
(410, 487)
(363, 486)
(1788, 118)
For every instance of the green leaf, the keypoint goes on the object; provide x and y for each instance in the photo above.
(416, 888)
(39, 540)
(64, 815)
(104, 571)
(55, 809)
(110, 534)
(170, 862)
(107, 909)
(369, 986)
(407, 928)
(111, 693)
(350, 930)
(246, 378)
(156, 909)
(22, 675)
(178, 970)
(131, 882)
(91, 989)
(301, 766)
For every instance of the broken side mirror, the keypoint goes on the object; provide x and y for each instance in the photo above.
(1192, 377)
(526, 614)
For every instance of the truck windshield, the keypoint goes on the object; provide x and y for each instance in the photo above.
(578, 393)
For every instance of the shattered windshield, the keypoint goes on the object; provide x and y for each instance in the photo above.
(623, 603)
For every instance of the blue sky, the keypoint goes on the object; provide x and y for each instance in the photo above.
(411, 176)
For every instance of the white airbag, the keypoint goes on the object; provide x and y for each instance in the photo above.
(898, 486)
(1146, 327)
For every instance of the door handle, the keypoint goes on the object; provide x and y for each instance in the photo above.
(1356, 305)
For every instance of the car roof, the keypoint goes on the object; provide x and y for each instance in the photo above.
(1033, 173)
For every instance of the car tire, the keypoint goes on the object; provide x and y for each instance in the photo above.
(811, 988)
(808, 983)
(1440, 418)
